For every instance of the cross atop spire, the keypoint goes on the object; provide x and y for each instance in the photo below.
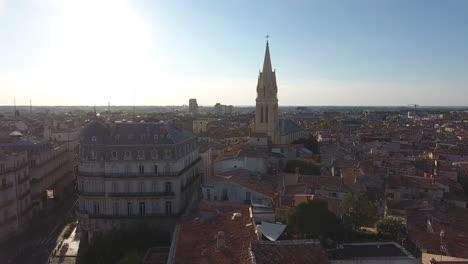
(267, 61)
(267, 37)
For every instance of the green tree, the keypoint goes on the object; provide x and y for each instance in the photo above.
(392, 226)
(312, 218)
(310, 143)
(358, 210)
(305, 166)
(324, 124)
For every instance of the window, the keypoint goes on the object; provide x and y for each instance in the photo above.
(117, 137)
(154, 186)
(92, 155)
(130, 136)
(333, 194)
(167, 169)
(167, 154)
(115, 186)
(247, 196)
(225, 195)
(155, 169)
(115, 207)
(129, 186)
(208, 194)
(114, 155)
(129, 208)
(96, 208)
(168, 187)
(154, 154)
(3, 182)
(141, 169)
(141, 186)
(142, 208)
(141, 154)
(156, 136)
(168, 207)
(127, 155)
(154, 209)
(127, 169)
(93, 138)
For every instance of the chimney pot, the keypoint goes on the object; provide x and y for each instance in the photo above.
(220, 241)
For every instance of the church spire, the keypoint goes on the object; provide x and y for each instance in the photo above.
(267, 62)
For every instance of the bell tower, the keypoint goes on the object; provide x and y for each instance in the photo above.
(266, 110)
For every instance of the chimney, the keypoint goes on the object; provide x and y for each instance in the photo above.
(220, 241)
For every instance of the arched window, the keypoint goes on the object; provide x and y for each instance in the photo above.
(266, 114)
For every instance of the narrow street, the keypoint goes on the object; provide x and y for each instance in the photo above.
(35, 245)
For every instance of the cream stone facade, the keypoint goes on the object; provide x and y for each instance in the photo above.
(135, 172)
(15, 193)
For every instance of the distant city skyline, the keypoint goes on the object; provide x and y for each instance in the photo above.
(363, 52)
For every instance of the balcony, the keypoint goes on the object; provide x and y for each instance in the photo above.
(6, 203)
(23, 195)
(85, 214)
(22, 180)
(126, 194)
(6, 186)
(136, 174)
(81, 193)
(139, 194)
(14, 168)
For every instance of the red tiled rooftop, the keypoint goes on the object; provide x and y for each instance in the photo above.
(197, 243)
(291, 252)
(246, 179)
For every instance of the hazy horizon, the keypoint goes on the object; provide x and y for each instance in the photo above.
(147, 53)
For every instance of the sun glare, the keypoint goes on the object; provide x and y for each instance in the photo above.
(101, 45)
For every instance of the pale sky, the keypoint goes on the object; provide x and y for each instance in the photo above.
(329, 52)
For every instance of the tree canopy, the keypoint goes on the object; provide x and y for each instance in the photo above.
(392, 226)
(358, 210)
(310, 143)
(324, 124)
(312, 218)
(305, 166)
(123, 245)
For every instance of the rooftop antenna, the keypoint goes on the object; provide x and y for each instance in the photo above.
(133, 95)
(108, 107)
(30, 106)
(14, 108)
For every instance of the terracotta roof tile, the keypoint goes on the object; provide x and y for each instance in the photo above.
(291, 252)
(197, 242)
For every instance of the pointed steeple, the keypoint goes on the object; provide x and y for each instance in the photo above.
(267, 61)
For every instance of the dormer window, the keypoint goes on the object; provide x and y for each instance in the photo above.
(114, 155)
(93, 138)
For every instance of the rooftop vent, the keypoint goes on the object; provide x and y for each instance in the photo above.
(236, 216)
